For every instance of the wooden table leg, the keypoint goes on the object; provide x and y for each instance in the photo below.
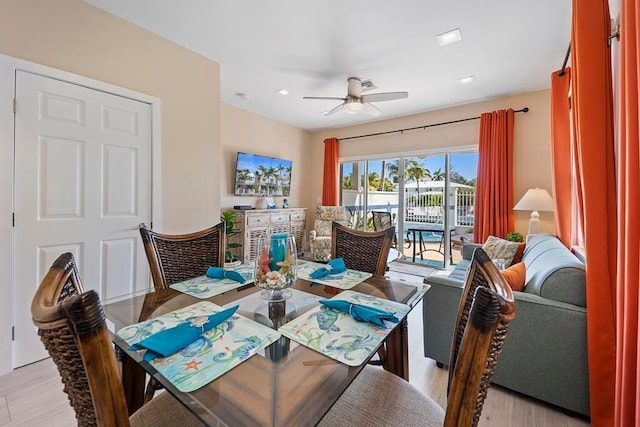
(398, 351)
(133, 378)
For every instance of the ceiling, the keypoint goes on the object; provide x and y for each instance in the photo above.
(311, 48)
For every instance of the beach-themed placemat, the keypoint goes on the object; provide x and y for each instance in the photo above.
(345, 280)
(212, 354)
(205, 287)
(338, 335)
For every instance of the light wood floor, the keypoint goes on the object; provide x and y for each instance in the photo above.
(33, 396)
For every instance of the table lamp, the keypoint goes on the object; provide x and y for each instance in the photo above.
(534, 200)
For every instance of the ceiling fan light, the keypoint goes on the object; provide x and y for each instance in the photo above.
(353, 107)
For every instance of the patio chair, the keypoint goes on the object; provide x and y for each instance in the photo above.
(320, 236)
(383, 220)
(460, 237)
(176, 257)
(486, 309)
(72, 327)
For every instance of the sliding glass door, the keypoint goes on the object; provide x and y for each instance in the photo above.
(424, 209)
(369, 187)
(429, 198)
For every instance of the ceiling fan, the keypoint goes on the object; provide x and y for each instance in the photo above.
(355, 101)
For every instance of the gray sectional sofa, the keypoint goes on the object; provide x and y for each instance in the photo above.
(545, 353)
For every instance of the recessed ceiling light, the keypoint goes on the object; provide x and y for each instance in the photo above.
(283, 92)
(449, 37)
(242, 95)
(468, 79)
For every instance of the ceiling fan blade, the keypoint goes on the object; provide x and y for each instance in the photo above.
(331, 98)
(333, 110)
(372, 110)
(384, 96)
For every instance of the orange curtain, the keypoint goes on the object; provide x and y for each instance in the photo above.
(561, 153)
(592, 108)
(628, 339)
(494, 190)
(330, 195)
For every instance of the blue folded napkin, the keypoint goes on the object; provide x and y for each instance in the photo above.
(361, 313)
(221, 273)
(170, 341)
(335, 266)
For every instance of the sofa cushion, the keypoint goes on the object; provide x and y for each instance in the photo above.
(498, 248)
(518, 256)
(515, 276)
(454, 277)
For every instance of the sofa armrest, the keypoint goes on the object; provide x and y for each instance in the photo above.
(439, 312)
(455, 277)
(545, 353)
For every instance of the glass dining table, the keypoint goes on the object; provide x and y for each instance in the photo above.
(286, 383)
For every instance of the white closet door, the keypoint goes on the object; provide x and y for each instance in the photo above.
(82, 185)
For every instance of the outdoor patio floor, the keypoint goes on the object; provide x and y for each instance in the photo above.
(431, 257)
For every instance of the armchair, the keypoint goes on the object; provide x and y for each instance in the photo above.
(320, 236)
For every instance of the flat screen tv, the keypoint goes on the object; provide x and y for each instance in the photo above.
(262, 176)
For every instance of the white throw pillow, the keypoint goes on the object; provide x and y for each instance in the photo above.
(497, 248)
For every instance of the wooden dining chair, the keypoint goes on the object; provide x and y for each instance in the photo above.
(71, 325)
(362, 250)
(177, 257)
(379, 398)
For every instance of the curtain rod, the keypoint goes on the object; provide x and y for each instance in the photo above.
(523, 110)
(564, 63)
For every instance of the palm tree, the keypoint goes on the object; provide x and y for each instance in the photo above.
(416, 172)
(346, 182)
(279, 170)
(264, 173)
(243, 177)
(381, 188)
(392, 169)
(256, 183)
(438, 175)
(374, 180)
(271, 173)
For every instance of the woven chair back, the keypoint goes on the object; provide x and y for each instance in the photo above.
(362, 250)
(177, 257)
(72, 328)
(381, 220)
(486, 308)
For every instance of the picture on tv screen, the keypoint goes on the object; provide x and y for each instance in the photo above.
(262, 176)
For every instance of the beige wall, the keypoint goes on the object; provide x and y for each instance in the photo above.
(73, 36)
(250, 133)
(531, 134)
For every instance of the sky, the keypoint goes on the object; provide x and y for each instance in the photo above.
(465, 164)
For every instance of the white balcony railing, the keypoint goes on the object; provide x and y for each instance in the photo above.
(422, 205)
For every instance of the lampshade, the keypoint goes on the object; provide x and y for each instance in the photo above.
(534, 200)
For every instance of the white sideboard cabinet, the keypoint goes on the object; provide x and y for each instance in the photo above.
(260, 222)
